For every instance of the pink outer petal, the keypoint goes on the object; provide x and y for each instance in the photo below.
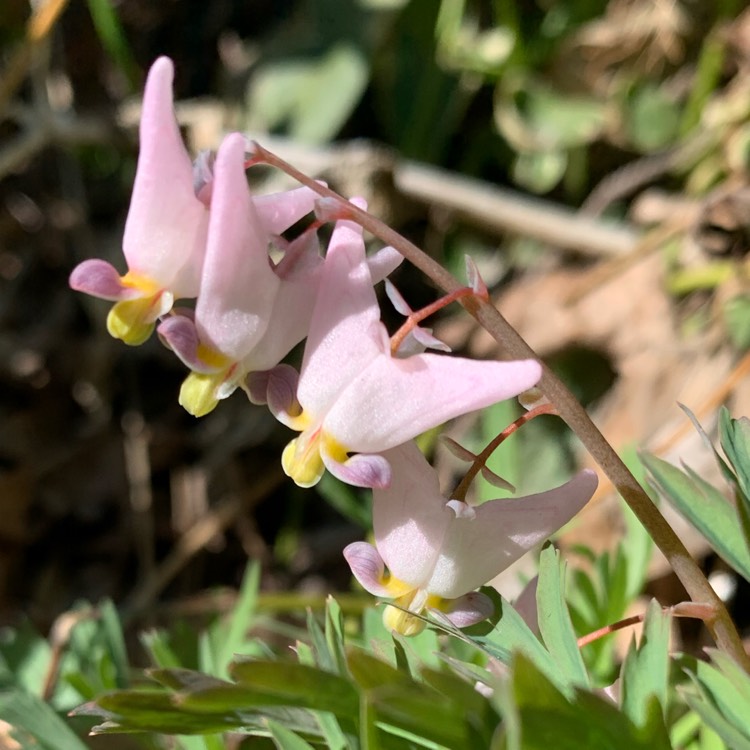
(394, 400)
(238, 286)
(469, 609)
(475, 551)
(361, 470)
(165, 232)
(409, 517)
(278, 211)
(367, 567)
(99, 279)
(345, 328)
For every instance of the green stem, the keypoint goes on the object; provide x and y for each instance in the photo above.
(570, 410)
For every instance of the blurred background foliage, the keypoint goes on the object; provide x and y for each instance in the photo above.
(627, 116)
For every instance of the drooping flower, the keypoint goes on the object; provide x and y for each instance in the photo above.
(165, 232)
(239, 289)
(354, 397)
(249, 314)
(438, 551)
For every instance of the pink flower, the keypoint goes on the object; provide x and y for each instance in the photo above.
(438, 551)
(248, 314)
(354, 397)
(165, 232)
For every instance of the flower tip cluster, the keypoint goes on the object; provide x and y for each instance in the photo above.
(194, 231)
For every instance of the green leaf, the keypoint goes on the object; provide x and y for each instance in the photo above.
(334, 634)
(512, 635)
(31, 716)
(284, 739)
(706, 508)
(737, 320)
(645, 672)
(113, 38)
(314, 98)
(554, 619)
(734, 436)
(287, 684)
(549, 720)
(115, 640)
(652, 117)
(539, 171)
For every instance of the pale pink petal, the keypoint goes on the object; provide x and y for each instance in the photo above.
(100, 279)
(496, 480)
(367, 567)
(475, 551)
(394, 400)
(383, 263)
(469, 609)
(302, 259)
(360, 470)
(344, 332)
(400, 305)
(409, 517)
(278, 211)
(238, 286)
(165, 232)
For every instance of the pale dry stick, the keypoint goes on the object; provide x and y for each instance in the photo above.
(690, 575)
(194, 539)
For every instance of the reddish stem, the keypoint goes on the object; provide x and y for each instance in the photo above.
(463, 486)
(415, 318)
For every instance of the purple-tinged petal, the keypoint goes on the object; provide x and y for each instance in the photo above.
(238, 285)
(394, 400)
(344, 332)
(100, 279)
(468, 609)
(367, 567)
(281, 392)
(178, 332)
(278, 211)
(475, 551)
(496, 480)
(409, 517)
(165, 232)
(256, 386)
(383, 263)
(360, 470)
(457, 450)
(203, 175)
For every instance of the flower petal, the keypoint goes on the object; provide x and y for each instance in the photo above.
(468, 609)
(394, 400)
(100, 279)
(367, 567)
(278, 211)
(165, 232)
(238, 286)
(360, 470)
(281, 392)
(409, 517)
(475, 551)
(344, 332)
(383, 263)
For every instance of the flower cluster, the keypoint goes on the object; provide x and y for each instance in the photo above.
(195, 232)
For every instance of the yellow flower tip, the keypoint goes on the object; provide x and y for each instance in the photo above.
(125, 321)
(301, 462)
(198, 394)
(402, 622)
